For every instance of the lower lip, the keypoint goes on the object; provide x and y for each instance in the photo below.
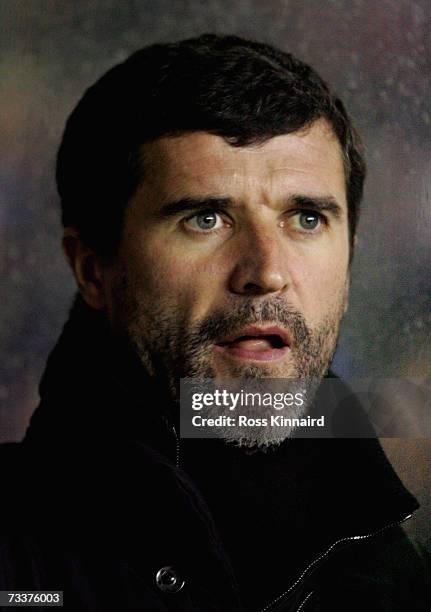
(272, 354)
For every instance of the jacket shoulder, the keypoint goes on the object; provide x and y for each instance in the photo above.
(15, 480)
(11, 462)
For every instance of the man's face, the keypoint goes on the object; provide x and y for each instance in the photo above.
(234, 260)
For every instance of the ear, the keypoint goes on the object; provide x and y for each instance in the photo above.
(87, 268)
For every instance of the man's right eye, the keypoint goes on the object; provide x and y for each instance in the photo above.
(204, 222)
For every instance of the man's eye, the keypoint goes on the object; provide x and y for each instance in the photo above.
(309, 220)
(206, 221)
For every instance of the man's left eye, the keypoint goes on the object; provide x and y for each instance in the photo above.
(309, 220)
(205, 222)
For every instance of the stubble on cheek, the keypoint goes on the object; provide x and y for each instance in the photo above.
(147, 322)
(158, 329)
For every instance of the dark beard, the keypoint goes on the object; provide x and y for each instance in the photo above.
(311, 358)
(170, 348)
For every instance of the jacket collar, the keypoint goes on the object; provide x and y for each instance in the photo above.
(94, 389)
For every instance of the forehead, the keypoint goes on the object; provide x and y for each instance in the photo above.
(200, 162)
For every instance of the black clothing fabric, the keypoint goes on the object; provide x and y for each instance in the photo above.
(102, 495)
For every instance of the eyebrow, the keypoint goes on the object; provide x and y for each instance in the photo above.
(196, 204)
(317, 203)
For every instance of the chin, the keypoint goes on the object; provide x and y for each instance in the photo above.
(254, 370)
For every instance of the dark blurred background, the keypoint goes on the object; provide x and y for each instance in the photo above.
(376, 54)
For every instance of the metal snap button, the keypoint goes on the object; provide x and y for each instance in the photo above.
(168, 580)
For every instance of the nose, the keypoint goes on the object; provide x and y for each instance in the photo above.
(262, 265)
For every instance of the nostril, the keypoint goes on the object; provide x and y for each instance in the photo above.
(253, 289)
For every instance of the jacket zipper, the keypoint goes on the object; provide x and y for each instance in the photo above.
(304, 601)
(177, 445)
(327, 552)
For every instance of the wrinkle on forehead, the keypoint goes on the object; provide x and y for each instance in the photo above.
(206, 162)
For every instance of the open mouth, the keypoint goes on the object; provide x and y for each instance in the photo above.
(258, 344)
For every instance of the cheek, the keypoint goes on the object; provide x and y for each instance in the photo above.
(176, 278)
(321, 283)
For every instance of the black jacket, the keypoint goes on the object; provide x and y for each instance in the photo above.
(104, 502)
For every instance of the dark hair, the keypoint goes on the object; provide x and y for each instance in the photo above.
(244, 91)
